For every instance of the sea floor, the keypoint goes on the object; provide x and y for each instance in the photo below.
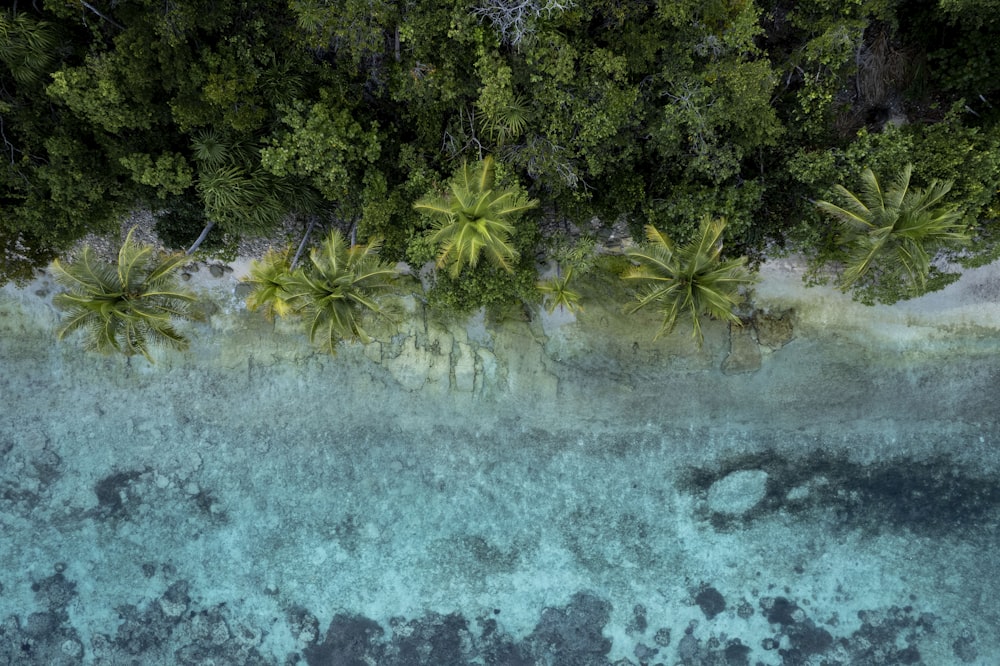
(565, 497)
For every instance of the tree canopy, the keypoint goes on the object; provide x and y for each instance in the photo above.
(228, 116)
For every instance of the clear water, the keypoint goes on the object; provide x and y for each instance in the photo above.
(523, 493)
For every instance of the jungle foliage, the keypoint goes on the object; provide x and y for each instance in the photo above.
(229, 115)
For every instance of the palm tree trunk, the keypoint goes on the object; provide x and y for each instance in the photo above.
(201, 238)
(302, 245)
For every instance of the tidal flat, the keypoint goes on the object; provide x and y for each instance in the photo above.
(820, 486)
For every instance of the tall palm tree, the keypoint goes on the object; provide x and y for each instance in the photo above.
(475, 218)
(338, 285)
(690, 280)
(889, 233)
(126, 306)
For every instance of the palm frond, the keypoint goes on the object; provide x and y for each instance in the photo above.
(706, 248)
(474, 219)
(899, 188)
(267, 279)
(27, 46)
(688, 281)
(211, 147)
(87, 275)
(434, 207)
(332, 291)
(853, 215)
(76, 317)
(485, 175)
(891, 240)
(132, 260)
(871, 191)
(123, 306)
(163, 273)
(510, 204)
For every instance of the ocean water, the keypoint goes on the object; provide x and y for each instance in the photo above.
(526, 492)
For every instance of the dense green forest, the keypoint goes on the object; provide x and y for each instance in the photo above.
(231, 115)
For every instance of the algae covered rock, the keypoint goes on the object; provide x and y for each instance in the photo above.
(744, 352)
(774, 329)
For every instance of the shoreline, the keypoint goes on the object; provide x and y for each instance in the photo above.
(973, 299)
(971, 303)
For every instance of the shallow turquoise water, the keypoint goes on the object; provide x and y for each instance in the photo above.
(490, 494)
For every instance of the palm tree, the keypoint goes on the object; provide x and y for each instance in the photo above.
(557, 294)
(340, 283)
(690, 280)
(126, 306)
(888, 233)
(27, 46)
(475, 218)
(506, 121)
(267, 279)
(237, 193)
(577, 258)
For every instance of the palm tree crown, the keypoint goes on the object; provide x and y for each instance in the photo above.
(267, 278)
(475, 218)
(888, 232)
(690, 280)
(557, 294)
(126, 306)
(339, 284)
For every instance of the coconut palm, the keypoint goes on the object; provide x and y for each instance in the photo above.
(557, 294)
(126, 306)
(474, 219)
(690, 280)
(267, 278)
(338, 285)
(889, 233)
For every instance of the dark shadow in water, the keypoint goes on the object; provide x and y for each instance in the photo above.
(932, 498)
(175, 629)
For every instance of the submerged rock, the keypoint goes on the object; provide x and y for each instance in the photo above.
(573, 634)
(351, 640)
(738, 492)
(710, 601)
(774, 330)
(744, 352)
